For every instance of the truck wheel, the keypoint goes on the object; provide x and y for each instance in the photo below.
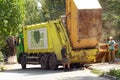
(23, 61)
(44, 62)
(53, 63)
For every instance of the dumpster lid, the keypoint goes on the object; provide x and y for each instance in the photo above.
(87, 4)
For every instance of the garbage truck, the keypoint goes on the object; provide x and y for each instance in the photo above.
(80, 29)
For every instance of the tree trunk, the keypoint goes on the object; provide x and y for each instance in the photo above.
(11, 43)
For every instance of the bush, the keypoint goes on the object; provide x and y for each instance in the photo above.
(2, 68)
(114, 72)
(1, 57)
(118, 54)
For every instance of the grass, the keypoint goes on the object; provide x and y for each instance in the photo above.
(98, 72)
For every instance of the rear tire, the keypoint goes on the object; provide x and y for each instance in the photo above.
(44, 62)
(23, 61)
(53, 63)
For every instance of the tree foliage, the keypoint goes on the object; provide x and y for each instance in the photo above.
(11, 18)
(111, 18)
(52, 9)
(32, 12)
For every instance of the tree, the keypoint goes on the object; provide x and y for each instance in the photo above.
(111, 17)
(52, 9)
(32, 12)
(11, 20)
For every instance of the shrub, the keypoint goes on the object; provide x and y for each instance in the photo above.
(1, 57)
(2, 68)
(117, 54)
(114, 72)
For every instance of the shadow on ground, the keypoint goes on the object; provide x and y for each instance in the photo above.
(34, 71)
(31, 70)
(83, 78)
(54, 74)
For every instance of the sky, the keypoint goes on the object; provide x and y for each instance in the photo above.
(39, 5)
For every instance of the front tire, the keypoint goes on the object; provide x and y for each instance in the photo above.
(23, 61)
